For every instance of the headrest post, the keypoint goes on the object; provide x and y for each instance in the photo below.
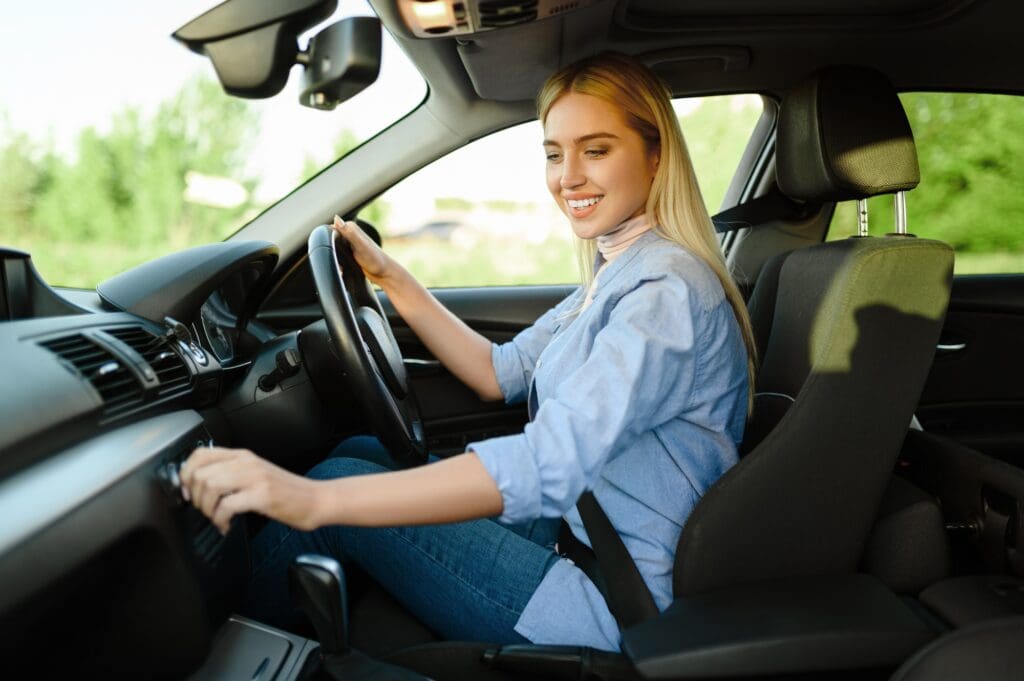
(862, 217)
(901, 212)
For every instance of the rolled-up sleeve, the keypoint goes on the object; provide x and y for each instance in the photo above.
(515, 360)
(639, 373)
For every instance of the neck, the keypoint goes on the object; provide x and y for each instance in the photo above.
(615, 242)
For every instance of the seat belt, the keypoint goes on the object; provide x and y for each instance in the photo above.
(772, 206)
(609, 565)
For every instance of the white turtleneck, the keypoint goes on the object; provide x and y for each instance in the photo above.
(614, 243)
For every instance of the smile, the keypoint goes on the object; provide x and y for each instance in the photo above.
(583, 203)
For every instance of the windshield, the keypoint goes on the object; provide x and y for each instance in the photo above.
(117, 144)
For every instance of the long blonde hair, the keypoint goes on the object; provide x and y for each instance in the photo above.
(674, 205)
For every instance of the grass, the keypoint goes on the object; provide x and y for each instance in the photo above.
(989, 263)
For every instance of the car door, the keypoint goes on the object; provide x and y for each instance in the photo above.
(479, 229)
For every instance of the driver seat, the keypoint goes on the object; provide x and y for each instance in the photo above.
(854, 325)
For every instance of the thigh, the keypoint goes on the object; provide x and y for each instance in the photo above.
(466, 581)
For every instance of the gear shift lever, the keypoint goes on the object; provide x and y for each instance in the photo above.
(317, 586)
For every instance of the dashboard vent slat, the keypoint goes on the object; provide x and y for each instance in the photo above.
(114, 377)
(170, 368)
(107, 374)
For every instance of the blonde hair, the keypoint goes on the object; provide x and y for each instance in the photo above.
(675, 205)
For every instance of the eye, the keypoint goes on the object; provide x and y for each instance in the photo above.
(596, 152)
(553, 156)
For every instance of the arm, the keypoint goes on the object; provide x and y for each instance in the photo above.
(225, 482)
(640, 373)
(459, 348)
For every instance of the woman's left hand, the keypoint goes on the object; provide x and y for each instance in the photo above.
(225, 482)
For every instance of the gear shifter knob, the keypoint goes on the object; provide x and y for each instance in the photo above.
(317, 586)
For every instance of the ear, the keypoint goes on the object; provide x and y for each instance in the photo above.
(654, 160)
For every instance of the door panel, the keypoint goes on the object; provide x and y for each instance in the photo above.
(975, 391)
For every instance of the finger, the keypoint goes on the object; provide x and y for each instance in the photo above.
(231, 505)
(203, 456)
(213, 481)
(349, 230)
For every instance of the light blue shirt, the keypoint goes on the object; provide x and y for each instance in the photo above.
(642, 399)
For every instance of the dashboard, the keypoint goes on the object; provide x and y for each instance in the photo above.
(104, 396)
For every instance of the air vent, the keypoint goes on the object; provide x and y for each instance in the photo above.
(115, 383)
(170, 368)
(498, 13)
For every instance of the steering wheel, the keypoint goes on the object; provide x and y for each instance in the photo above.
(362, 342)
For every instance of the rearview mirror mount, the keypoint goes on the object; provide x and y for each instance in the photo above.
(340, 62)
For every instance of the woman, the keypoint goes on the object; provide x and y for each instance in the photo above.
(637, 386)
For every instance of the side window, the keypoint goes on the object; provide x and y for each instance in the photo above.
(972, 174)
(482, 215)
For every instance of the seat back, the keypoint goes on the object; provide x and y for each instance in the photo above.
(851, 331)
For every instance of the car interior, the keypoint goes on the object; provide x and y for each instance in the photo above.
(873, 528)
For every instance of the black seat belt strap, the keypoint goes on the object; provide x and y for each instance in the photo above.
(772, 206)
(628, 598)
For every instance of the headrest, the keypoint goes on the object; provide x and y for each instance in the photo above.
(843, 135)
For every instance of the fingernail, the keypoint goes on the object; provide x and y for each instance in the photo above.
(185, 494)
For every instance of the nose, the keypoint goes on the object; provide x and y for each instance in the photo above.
(572, 174)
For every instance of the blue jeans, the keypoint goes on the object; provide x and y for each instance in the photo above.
(466, 581)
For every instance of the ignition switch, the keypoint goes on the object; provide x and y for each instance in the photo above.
(288, 364)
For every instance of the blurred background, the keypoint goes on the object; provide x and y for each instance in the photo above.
(117, 146)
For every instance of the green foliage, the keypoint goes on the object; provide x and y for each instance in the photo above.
(22, 174)
(122, 191)
(972, 168)
(716, 134)
(453, 203)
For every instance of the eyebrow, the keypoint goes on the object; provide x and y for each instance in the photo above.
(583, 138)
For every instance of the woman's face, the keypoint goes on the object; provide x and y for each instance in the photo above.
(598, 169)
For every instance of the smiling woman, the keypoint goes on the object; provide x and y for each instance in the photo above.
(591, 371)
(152, 156)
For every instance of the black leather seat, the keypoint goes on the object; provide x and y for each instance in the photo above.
(993, 651)
(848, 338)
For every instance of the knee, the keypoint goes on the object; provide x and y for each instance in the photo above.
(336, 467)
(364, 447)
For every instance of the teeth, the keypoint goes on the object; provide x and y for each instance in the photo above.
(584, 202)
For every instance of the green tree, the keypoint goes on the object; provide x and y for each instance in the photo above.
(22, 173)
(971, 174)
(716, 133)
(119, 199)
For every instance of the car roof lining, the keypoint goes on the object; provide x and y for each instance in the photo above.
(787, 40)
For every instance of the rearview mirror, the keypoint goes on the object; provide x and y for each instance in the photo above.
(254, 43)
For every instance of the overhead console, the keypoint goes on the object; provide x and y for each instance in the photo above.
(450, 18)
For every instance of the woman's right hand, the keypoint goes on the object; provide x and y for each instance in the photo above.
(376, 264)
